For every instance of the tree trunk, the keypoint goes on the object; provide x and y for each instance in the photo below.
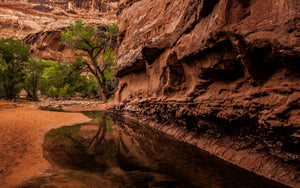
(100, 135)
(101, 89)
(10, 91)
(103, 92)
(34, 93)
(29, 96)
(101, 84)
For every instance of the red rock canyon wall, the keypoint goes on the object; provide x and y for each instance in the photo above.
(227, 71)
(39, 23)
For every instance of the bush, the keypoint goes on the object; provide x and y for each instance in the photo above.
(51, 78)
(63, 80)
(13, 55)
(33, 73)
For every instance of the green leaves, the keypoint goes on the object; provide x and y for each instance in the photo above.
(53, 79)
(94, 43)
(112, 29)
(65, 80)
(79, 64)
(109, 58)
(80, 37)
(13, 51)
(13, 55)
(33, 72)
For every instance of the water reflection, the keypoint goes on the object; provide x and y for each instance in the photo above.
(141, 147)
(85, 146)
(117, 152)
(96, 141)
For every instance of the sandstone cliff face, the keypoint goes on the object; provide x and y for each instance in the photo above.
(225, 70)
(48, 45)
(39, 25)
(73, 5)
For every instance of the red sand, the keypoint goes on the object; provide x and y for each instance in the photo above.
(22, 133)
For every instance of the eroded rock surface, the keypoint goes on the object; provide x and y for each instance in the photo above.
(39, 23)
(224, 72)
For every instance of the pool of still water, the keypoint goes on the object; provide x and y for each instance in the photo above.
(111, 151)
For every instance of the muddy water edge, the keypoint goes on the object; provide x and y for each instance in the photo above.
(113, 151)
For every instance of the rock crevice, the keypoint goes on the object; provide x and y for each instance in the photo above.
(223, 70)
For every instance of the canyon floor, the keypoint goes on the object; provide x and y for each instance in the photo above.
(22, 129)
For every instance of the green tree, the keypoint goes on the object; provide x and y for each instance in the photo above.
(52, 83)
(65, 80)
(81, 37)
(33, 73)
(109, 58)
(13, 55)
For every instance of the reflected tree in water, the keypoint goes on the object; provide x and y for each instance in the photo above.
(99, 136)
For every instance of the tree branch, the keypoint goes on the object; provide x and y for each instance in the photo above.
(87, 42)
(90, 68)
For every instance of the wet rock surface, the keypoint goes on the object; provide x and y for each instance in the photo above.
(224, 71)
(189, 165)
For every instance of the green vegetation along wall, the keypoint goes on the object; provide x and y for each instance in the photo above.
(13, 55)
(48, 78)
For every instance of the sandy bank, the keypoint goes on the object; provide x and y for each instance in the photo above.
(22, 132)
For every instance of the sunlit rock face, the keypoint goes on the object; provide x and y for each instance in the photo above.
(221, 68)
(40, 22)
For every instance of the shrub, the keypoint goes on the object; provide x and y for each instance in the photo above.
(13, 55)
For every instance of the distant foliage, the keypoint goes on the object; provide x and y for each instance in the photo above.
(61, 80)
(13, 55)
(33, 71)
(112, 29)
(56, 79)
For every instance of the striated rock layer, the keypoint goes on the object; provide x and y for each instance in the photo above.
(40, 25)
(223, 75)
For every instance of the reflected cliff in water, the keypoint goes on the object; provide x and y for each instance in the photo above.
(140, 147)
(111, 151)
